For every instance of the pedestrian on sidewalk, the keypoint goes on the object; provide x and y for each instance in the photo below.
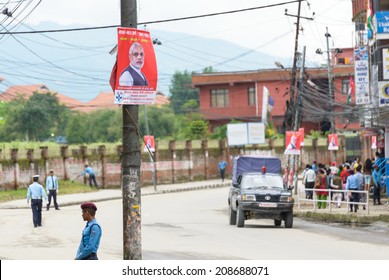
(91, 173)
(337, 185)
(361, 185)
(222, 169)
(52, 189)
(367, 173)
(320, 187)
(91, 234)
(377, 186)
(309, 180)
(352, 186)
(36, 192)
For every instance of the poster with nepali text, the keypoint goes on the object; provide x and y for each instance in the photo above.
(135, 75)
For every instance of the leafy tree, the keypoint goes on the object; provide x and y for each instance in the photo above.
(40, 115)
(33, 119)
(101, 126)
(3, 111)
(220, 132)
(11, 128)
(161, 121)
(198, 129)
(75, 130)
(96, 126)
(181, 92)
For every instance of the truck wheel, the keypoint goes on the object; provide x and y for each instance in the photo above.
(232, 216)
(240, 217)
(277, 222)
(289, 220)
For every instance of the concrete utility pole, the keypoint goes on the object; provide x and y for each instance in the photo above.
(132, 249)
(293, 80)
(330, 83)
(330, 90)
(294, 99)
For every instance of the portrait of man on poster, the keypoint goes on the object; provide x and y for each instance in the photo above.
(132, 75)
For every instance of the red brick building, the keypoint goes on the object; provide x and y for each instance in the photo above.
(230, 96)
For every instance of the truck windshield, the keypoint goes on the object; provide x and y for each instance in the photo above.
(262, 181)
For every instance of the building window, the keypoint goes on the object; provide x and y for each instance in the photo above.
(251, 96)
(219, 98)
(345, 86)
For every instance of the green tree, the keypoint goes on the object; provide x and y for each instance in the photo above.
(101, 124)
(161, 121)
(33, 119)
(40, 116)
(220, 132)
(75, 130)
(11, 127)
(198, 129)
(181, 92)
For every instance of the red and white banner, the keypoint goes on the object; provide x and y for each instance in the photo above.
(374, 142)
(292, 143)
(148, 143)
(333, 142)
(301, 130)
(134, 76)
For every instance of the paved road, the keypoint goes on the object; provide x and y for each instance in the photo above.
(184, 225)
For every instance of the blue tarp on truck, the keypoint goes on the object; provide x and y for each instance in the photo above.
(249, 163)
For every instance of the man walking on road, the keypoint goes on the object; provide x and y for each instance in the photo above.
(52, 189)
(222, 169)
(36, 192)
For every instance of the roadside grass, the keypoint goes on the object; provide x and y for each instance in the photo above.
(65, 187)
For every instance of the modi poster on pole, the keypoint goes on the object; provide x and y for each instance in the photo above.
(149, 144)
(292, 143)
(135, 73)
(333, 142)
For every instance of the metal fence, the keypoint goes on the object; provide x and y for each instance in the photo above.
(346, 201)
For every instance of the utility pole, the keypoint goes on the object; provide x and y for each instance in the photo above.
(330, 83)
(330, 90)
(293, 80)
(294, 99)
(132, 249)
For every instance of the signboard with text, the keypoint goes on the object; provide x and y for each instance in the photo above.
(361, 64)
(239, 134)
(136, 74)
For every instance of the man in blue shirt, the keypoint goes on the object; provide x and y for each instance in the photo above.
(222, 168)
(361, 184)
(52, 189)
(377, 185)
(36, 192)
(91, 173)
(352, 184)
(91, 234)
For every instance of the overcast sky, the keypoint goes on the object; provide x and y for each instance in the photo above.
(266, 30)
(37, 58)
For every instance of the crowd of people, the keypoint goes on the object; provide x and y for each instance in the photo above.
(351, 178)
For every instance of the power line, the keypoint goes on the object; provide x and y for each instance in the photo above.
(154, 22)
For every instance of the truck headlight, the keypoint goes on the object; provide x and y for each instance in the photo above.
(248, 197)
(286, 198)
